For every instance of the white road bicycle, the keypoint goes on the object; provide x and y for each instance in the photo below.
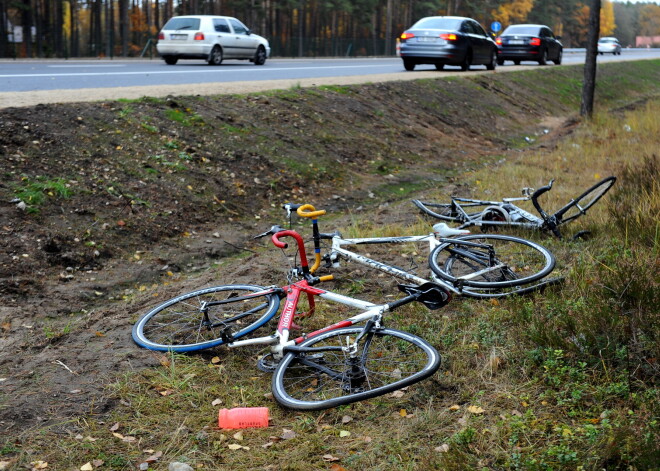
(492, 214)
(474, 265)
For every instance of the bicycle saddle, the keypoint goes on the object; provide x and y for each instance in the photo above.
(431, 295)
(443, 230)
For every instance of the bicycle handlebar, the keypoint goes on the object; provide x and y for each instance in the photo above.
(309, 211)
(301, 246)
(550, 222)
(538, 193)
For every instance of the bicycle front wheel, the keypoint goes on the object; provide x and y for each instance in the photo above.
(498, 262)
(328, 376)
(205, 318)
(586, 200)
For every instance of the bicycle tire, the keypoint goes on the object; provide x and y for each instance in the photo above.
(178, 325)
(486, 293)
(521, 260)
(446, 212)
(390, 360)
(575, 209)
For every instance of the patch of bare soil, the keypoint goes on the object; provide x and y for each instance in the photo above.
(108, 208)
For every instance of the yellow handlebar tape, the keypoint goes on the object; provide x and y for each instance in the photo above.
(308, 211)
(327, 278)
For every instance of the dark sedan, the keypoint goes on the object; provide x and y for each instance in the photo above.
(529, 43)
(447, 40)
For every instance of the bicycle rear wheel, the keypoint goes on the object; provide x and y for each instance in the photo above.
(579, 206)
(446, 212)
(512, 262)
(327, 376)
(205, 318)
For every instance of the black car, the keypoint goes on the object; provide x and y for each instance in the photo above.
(529, 43)
(447, 40)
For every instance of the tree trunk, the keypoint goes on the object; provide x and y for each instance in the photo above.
(589, 85)
(27, 27)
(123, 26)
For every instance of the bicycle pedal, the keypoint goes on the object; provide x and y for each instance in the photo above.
(226, 335)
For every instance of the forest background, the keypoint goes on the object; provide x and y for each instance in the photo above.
(295, 28)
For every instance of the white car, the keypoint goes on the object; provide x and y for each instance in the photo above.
(211, 38)
(609, 45)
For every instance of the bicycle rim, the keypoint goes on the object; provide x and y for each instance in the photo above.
(444, 212)
(516, 262)
(181, 325)
(389, 360)
(586, 200)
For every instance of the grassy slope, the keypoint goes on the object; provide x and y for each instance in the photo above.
(564, 379)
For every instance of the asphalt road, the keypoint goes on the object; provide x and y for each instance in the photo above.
(27, 82)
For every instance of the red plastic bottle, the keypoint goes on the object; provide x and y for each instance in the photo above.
(243, 417)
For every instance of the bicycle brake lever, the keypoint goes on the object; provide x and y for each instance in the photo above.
(273, 230)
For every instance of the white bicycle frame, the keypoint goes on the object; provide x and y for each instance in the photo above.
(516, 216)
(338, 250)
(280, 339)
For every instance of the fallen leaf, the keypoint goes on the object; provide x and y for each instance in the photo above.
(494, 302)
(236, 446)
(403, 413)
(215, 360)
(398, 393)
(346, 419)
(267, 445)
(216, 402)
(330, 458)
(166, 392)
(475, 410)
(238, 436)
(337, 467)
(115, 427)
(4, 465)
(97, 463)
(344, 433)
(155, 457)
(87, 467)
(118, 435)
(455, 407)
(288, 434)
(39, 464)
(128, 439)
(444, 448)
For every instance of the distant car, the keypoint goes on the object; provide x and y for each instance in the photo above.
(529, 43)
(210, 38)
(447, 40)
(609, 45)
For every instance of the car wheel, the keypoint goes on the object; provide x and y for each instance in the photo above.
(439, 66)
(544, 57)
(516, 62)
(260, 56)
(493, 61)
(170, 60)
(467, 61)
(500, 61)
(559, 55)
(409, 65)
(215, 58)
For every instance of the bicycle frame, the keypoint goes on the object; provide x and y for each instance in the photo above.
(280, 341)
(517, 216)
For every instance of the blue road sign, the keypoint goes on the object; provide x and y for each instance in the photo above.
(495, 26)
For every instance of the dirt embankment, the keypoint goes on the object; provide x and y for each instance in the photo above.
(100, 200)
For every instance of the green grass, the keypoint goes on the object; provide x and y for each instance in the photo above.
(561, 380)
(35, 193)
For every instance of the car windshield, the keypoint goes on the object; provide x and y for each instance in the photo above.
(522, 29)
(607, 40)
(438, 23)
(182, 23)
